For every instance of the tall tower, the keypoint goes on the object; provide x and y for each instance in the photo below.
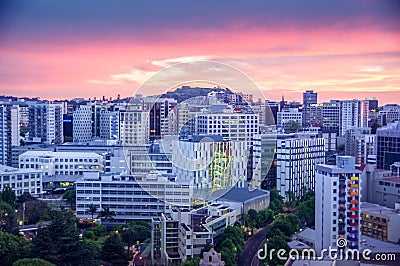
(337, 199)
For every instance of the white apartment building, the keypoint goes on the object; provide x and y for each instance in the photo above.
(82, 124)
(61, 163)
(287, 115)
(349, 115)
(134, 127)
(140, 196)
(337, 203)
(360, 143)
(109, 125)
(21, 180)
(232, 124)
(9, 131)
(183, 233)
(209, 163)
(296, 161)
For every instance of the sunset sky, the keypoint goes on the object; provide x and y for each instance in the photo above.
(86, 48)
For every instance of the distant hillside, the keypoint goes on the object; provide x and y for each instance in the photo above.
(187, 92)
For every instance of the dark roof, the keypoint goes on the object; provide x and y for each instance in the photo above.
(242, 194)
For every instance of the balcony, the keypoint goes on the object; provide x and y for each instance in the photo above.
(354, 178)
(354, 216)
(353, 208)
(353, 247)
(353, 223)
(353, 231)
(354, 201)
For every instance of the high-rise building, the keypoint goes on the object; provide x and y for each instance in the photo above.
(296, 160)
(337, 202)
(388, 145)
(46, 123)
(159, 109)
(311, 110)
(331, 116)
(9, 131)
(349, 115)
(210, 163)
(134, 127)
(309, 97)
(82, 124)
(236, 124)
(359, 144)
(364, 113)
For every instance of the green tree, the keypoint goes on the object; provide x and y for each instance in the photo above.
(8, 219)
(32, 262)
(92, 210)
(12, 248)
(134, 231)
(276, 201)
(192, 262)
(306, 212)
(252, 219)
(107, 214)
(70, 197)
(35, 211)
(26, 196)
(8, 196)
(228, 252)
(277, 242)
(113, 250)
(59, 242)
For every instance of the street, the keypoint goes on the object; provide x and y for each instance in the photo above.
(253, 244)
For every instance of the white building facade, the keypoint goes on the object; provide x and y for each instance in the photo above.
(337, 202)
(61, 163)
(21, 180)
(296, 162)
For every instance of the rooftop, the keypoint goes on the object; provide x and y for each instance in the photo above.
(4, 169)
(73, 154)
(243, 194)
(378, 209)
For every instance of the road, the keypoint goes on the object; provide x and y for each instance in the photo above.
(253, 244)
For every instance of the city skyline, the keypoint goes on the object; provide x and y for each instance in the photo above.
(71, 49)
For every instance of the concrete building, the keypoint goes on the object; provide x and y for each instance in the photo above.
(331, 116)
(210, 163)
(46, 123)
(312, 115)
(287, 116)
(134, 127)
(21, 180)
(182, 234)
(82, 124)
(235, 124)
(296, 161)
(360, 143)
(133, 197)
(264, 161)
(380, 222)
(309, 97)
(243, 199)
(388, 145)
(349, 115)
(337, 204)
(9, 132)
(61, 163)
(158, 109)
